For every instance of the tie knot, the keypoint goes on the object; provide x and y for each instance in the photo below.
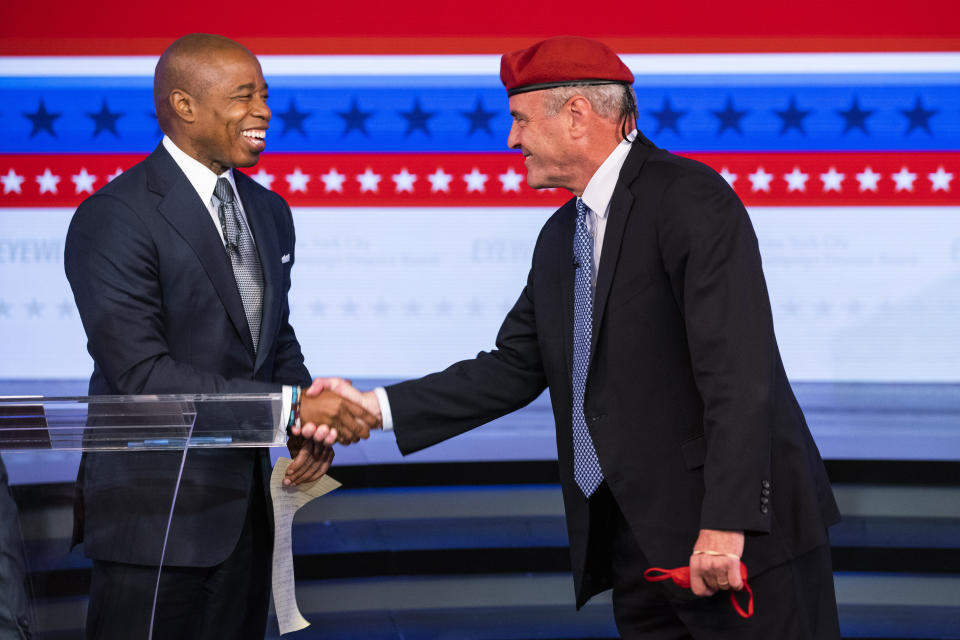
(582, 209)
(223, 190)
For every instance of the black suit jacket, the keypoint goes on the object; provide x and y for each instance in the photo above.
(693, 419)
(162, 313)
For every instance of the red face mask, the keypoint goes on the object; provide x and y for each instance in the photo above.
(681, 576)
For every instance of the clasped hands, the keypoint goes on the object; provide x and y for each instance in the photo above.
(331, 411)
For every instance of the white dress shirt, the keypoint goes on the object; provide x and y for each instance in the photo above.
(596, 196)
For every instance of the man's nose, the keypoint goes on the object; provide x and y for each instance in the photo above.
(513, 139)
(261, 110)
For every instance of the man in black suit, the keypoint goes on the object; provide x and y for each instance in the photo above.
(180, 268)
(646, 314)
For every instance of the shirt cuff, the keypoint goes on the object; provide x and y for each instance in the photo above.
(385, 414)
(286, 402)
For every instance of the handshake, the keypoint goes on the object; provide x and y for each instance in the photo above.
(332, 410)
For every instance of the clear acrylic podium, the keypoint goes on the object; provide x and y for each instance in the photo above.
(153, 471)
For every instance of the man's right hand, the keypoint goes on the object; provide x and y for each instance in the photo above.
(324, 410)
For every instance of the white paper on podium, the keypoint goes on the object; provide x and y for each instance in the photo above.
(286, 502)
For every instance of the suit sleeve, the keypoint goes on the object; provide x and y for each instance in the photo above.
(288, 363)
(473, 392)
(112, 264)
(711, 254)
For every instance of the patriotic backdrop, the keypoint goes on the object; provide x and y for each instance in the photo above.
(837, 123)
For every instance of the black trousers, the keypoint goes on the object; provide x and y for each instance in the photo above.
(793, 601)
(228, 600)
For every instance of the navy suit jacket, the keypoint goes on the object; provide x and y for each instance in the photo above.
(693, 419)
(157, 296)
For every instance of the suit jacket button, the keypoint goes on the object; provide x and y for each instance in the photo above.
(765, 492)
(764, 499)
(765, 484)
(764, 509)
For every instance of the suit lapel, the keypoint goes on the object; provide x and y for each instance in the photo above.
(183, 209)
(265, 235)
(621, 204)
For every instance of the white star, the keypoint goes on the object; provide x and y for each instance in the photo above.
(761, 180)
(84, 181)
(440, 181)
(333, 181)
(298, 180)
(368, 181)
(832, 180)
(264, 179)
(116, 174)
(404, 180)
(729, 177)
(475, 180)
(904, 179)
(796, 181)
(940, 180)
(511, 180)
(48, 182)
(12, 182)
(868, 179)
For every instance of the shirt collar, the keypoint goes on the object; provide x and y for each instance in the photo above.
(201, 177)
(599, 190)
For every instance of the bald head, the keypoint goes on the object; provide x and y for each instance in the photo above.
(191, 65)
(211, 100)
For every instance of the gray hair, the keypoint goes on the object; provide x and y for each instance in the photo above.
(615, 102)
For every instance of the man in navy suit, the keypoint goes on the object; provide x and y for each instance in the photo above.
(646, 314)
(180, 268)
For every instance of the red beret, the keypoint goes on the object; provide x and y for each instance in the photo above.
(562, 61)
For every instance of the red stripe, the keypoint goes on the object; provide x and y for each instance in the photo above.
(815, 190)
(426, 45)
(436, 26)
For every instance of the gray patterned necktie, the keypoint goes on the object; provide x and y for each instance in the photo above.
(247, 269)
(586, 466)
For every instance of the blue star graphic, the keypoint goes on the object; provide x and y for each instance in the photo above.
(856, 117)
(918, 116)
(105, 120)
(729, 118)
(293, 119)
(667, 117)
(792, 117)
(42, 120)
(355, 119)
(417, 118)
(479, 118)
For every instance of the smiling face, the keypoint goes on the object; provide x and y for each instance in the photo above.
(230, 117)
(549, 154)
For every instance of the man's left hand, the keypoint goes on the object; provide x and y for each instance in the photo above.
(718, 570)
(311, 460)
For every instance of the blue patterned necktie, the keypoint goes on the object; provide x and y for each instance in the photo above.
(247, 269)
(586, 466)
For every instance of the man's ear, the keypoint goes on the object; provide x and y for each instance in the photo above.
(183, 105)
(579, 112)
